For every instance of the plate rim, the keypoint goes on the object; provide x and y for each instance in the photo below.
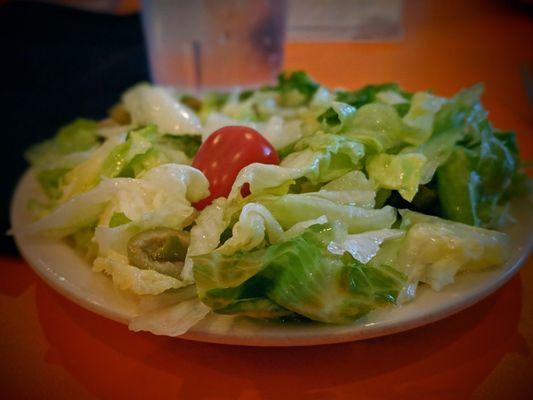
(358, 332)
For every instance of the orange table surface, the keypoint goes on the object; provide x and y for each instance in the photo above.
(52, 348)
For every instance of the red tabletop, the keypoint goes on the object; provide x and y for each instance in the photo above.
(52, 348)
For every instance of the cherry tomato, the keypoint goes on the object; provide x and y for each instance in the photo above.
(225, 152)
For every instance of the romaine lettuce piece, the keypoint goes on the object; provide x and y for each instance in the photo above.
(463, 111)
(457, 182)
(437, 150)
(474, 181)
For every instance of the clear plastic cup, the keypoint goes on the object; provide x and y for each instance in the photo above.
(214, 44)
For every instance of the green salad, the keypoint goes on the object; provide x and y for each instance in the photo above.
(292, 202)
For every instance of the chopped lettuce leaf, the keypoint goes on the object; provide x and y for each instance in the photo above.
(78, 136)
(352, 188)
(173, 320)
(364, 246)
(249, 232)
(293, 208)
(136, 280)
(463, 111)
(402, 172)
(378, 126)
(435, 250)
(324, 157)
(205, 234)
(369, 94)
(296, 88)
(421, 115)
(279, 133)
(152, 105)
(118, 218)
(299, 275)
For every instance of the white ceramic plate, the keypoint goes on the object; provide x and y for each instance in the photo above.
(72, 276)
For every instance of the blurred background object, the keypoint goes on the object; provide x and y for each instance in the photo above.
(344, 20)
(214, 44)
(58, 64)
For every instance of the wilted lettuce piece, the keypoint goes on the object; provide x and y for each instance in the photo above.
(421, 115)
(152, 105)
(293, 208)
(435, 250)
(324, 157)
(299, 275)
(402, 172)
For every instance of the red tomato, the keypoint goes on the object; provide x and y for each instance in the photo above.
(225, 152)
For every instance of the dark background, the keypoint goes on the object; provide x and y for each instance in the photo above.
(58, 64)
